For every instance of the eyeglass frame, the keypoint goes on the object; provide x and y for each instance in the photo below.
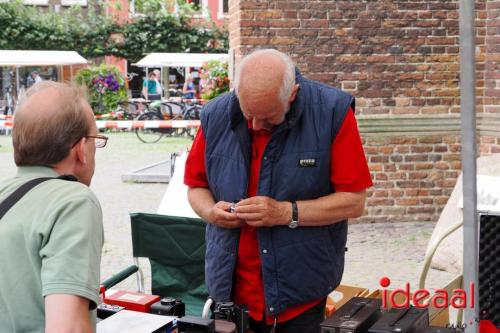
(102, 137)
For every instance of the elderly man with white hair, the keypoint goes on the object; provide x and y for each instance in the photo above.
(276, 170)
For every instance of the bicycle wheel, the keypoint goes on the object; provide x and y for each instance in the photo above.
(149, 135)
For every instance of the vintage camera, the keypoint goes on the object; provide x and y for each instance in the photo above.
(169, 306)
(231, 312)
(105, 310)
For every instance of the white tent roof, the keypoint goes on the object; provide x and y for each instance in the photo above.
(179, 59)
(39, 58)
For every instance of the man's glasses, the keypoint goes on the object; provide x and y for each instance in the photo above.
(100, 140)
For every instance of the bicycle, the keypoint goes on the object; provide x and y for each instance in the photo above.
(129, 110)
(153, 112)
(167, 110)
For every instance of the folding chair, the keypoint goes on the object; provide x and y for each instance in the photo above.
(175, 247)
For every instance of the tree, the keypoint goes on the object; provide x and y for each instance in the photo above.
(94, 35)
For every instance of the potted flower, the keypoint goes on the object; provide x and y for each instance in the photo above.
(214, 79)
(105, 85)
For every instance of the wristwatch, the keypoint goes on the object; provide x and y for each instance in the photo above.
(294, 223)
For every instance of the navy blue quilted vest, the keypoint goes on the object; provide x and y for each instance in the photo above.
(298, 265)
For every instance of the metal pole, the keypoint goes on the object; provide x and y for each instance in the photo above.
(468, 117)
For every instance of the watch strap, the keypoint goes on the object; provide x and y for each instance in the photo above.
(295, 211)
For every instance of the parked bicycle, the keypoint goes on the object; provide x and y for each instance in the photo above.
(168, 110)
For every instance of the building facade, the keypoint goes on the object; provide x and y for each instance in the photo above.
(401, 61)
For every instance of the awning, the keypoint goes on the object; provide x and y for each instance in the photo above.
(39, 58)
(179, 59)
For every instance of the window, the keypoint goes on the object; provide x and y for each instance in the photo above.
(196, 4)
(201, 6)
(223, 9)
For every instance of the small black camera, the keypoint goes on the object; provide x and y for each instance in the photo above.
(169, 306)
(231, 312)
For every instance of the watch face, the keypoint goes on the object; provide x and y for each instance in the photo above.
(293, 224)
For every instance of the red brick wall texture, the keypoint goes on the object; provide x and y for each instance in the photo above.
(400, 59)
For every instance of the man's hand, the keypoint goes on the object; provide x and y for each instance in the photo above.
(222, 217)
(264, 211)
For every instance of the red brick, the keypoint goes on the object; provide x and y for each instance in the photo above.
(416, 157)
(380, 194)
(389, 167)
(452, 157)
(417, 175)
(379, 202)
(314, 24)
(424, 166)
(421, 149)
(421, 210)
(407, 202)
(426, 201)
(284, 23)
(396, 193)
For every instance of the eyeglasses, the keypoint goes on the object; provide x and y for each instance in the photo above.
(100, 140)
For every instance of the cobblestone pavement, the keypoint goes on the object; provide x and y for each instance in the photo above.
(394, 250)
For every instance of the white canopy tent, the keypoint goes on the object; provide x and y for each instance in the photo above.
(22, 58)
(185, 60)
(179, 59)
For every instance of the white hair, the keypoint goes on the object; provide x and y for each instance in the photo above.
(288, 76)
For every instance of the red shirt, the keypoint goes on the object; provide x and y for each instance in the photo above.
(347, 174)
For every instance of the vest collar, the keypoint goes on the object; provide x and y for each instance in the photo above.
(291, 118)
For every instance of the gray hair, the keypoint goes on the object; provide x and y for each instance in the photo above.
(288, 77)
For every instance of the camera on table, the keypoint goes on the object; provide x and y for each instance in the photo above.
(231, 312)
(169, 306)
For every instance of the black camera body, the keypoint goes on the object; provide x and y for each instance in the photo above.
(169, 306)
(231, 312)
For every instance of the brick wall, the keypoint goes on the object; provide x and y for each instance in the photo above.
(401, 61)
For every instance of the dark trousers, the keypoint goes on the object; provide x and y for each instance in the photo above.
(307, 322)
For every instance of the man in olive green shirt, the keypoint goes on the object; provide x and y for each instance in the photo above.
(51, 239)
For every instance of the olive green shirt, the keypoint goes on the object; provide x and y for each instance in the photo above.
(50, 243)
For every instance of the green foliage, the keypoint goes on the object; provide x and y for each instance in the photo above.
(214, 74)
(95, 35)
(28, 28)
(105, 85)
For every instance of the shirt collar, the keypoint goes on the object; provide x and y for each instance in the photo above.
(35, 171)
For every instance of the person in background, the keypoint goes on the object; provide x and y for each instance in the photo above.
(275, 170)
(51, 239)
(188, 90)
(159, 87)
(33, 78)
(150, 88)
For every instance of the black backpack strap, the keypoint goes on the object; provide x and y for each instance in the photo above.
(25, 188)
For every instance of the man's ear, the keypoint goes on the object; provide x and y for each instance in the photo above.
(295, 90)
(80, 151)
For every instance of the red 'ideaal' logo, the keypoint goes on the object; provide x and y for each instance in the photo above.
(440, 299)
